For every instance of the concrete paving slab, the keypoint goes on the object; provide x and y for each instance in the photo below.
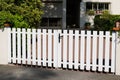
(8, 72)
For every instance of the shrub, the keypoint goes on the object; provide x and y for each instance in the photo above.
(14, 20)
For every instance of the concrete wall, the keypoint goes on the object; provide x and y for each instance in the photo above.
(4, 46)
(53, 10)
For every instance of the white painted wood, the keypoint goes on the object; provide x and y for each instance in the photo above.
(88, 45)
(19, 46)
(107, 51)
(70, 48)
(49, 41)
(82, 50)
(65, 49)
(55, 45)
(94, 51)
(76, 49)
(39, 46)
(14, 45)
(23, 47)
(29, 46)
(100, 52)
(49, 48)
(113, 52)
(44, 47)
(59, 48)
(33, 46)
(9, 45)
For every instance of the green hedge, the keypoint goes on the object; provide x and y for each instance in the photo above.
(105, 22)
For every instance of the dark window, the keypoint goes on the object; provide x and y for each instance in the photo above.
(51, 22)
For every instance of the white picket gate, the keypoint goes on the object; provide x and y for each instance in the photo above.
(84, 50)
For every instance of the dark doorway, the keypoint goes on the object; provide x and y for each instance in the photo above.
(73, 13)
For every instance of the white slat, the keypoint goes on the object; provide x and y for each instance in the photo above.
(44, 47)
(88, 45)
(23, 47)
(39, 46)
(107, 51)
(33, 46)
(19, 46)
(113, 53)
(82, 50)
(9, 45)
(94, 51)
(55, 49)
(100, 53)
(59, 48)
(70, 48)
(14, 44)
(76, 49)
(49, 48)
(29, 46)
(65, 49)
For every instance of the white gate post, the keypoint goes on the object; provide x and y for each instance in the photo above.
(4, 46)
(117, 72)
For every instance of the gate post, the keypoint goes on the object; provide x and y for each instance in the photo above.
(4, 46)
(117, 71)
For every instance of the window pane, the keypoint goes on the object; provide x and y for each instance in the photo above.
(95, 6)
(88, 6)
(106, 6)
(101, 6)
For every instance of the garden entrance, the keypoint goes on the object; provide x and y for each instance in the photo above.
(72, 49)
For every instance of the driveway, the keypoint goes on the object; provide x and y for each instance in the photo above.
(8, 72)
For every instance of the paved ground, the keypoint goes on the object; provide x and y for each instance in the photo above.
(32, 73)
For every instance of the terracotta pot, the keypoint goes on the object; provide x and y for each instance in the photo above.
(6, 25)
(116, 28)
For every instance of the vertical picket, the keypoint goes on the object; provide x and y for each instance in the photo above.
(55, 44)
(82, 52)
(14, 44)
(59, 48)
(107, 51)
(29, 46)
(33, 46)
(49, 48)
(88, 50)
(23, 47)
(39, 46)
(76, 48)
(70, 48)
(65, 49)
(44, 47)
(100, 51)
(19, 45)
(94, 50)
(9, 45)
(113, 52)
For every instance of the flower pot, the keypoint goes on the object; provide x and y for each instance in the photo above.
(116, 28)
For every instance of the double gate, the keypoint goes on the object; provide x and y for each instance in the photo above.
(72, 49)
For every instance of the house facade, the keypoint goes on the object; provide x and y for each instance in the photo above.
(73, 13)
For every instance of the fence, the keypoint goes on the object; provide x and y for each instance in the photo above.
(84, 50)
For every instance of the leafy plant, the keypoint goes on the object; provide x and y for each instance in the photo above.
(90, 12)
(105, 22)
(29, 10)
(14, 20)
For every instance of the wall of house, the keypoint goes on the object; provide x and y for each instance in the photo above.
(114, 9)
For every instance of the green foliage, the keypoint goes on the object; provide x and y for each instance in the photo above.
(91, 12)
(30, 10)
(105, 22)
(15, 20)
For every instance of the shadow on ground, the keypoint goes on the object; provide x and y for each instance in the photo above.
(23, 73)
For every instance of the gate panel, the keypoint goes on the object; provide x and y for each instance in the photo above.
(84, 50)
